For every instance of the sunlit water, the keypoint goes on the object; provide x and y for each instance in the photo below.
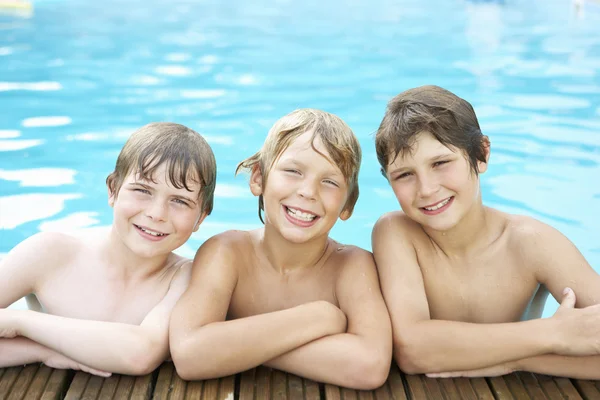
(76, 78)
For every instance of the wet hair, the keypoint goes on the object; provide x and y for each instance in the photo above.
(187, 155)
(449, 118)
(337, 137)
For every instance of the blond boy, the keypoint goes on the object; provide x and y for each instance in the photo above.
(287, 295)
(108, 296)
(458, 277)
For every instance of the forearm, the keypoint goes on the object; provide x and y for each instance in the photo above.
(107, 346)
(344, 359)
(585, 367)
(439, 346)
(227, 347)
(21, 351)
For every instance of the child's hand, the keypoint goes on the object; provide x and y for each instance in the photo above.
(58, 361)
(335, 316)
(579, 329)
(8, 327)
(496, 370)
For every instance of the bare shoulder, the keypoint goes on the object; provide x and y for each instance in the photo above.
(51, 248)
(527, 232)
(226, 244)
(396, 223)
(351, 256)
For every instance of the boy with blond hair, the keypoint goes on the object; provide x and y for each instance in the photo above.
(287, 295)
(108, 295)
(459, 278)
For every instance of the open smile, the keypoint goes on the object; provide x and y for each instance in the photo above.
(150, 233)
(300, 217)
(439, 207)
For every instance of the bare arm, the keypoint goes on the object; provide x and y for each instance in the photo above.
(199, 332)
(359, 358)
(109, 346)
(423, 345)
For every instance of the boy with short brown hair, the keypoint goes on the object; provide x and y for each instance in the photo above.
(287, 295)
(108, 295)
(459, 277)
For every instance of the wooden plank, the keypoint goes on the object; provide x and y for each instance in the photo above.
(395, 383)
(178, 387)
(311, 390)
(163, 382)
(383, 392)
(433, 387)
(109, 387)
(332, 392)
(8, 380)
(482, 390)
(38, 384)
(194, 390)
(531, 385)
(565, 386)
(211, 389)
(93, 388)
(142, 387)
(416, 387)
(348, 394)
(516, 387)
(366, 394)
(23, 381)
(124, 387)
(279, 385)
(227, 388)
(77, 386)
(552, 390)
(58, 384)
(296, 388)
(263, 383)
(500, 389)
(2, 372)
(587, 389)
(247, 384)
(449, 388)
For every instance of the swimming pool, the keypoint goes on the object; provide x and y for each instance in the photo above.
(76, 78)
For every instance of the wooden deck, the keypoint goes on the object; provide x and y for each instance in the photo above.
(40, 382)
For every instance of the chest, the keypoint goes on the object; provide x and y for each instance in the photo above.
(260, 291)
(89, 293)
(489, 289)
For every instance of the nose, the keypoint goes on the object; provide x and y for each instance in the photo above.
(156, 210)
(307, 189)
(428, 186)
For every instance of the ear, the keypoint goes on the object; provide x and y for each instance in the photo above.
(256, 181)
(482, 166)
(345, 215)
(200, 219)
(111, 197)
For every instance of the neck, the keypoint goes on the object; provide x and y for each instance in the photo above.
(468, 235)
(128, 265)
(285, 256)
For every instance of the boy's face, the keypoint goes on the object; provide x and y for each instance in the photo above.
(305, 193)
(434, 185)
(154, 218)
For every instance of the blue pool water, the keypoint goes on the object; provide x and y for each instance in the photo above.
(76, 78)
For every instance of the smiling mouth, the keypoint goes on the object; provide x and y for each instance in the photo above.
(300, 215)
(438, 205)
(150, 232)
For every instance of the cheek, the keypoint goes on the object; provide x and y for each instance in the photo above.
(404, 193)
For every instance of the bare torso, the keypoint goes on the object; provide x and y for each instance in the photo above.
(85, 286)
(491, 285)
(261, 289)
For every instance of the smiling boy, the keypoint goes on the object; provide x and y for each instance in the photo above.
(458, 277)
(108, 296)
(287, 295)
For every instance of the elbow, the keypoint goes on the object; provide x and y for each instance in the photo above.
(411, 359)
(143, 359)
(370, 373)
(186, 362)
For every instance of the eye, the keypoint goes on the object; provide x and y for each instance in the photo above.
(181, 202)
(402, 176)
(140, 190)
(330, 182)
(438, 163)
(292, 171)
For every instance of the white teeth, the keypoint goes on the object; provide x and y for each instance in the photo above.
(438, 205)
(151, 232)
(300, 215)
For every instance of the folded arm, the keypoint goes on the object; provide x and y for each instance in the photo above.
(109, 346)
(359, 358)
(199, 332)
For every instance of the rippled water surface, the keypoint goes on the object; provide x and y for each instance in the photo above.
(76, 78)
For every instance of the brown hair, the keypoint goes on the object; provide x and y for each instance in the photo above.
(450, 119)
(187, 154)
(337, 137)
